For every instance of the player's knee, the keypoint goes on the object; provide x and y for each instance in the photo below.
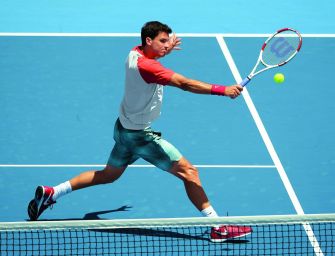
(111, 174)
(190, 174)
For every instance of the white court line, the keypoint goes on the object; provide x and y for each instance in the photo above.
(132, 166)
(47, 34)
(269, 146)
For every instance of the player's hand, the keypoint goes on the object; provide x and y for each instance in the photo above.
(233, 91)
(175, 43)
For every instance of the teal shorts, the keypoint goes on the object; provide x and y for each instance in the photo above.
(147, 144)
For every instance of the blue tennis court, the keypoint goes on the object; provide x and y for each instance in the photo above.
(270, 152)
(60, 99)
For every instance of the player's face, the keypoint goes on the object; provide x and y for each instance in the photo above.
(159, 45)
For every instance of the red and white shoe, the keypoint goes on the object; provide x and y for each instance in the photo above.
(43, 200)
(227, 232)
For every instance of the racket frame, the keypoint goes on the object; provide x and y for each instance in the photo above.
(267, 66)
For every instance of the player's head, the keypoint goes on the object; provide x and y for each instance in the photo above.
(151, 29)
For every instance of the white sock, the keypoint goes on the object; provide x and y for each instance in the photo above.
(61, 190)
(209, 212)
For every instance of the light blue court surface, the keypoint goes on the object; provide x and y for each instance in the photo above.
(189, 16)
(59, 98)
(59, 101)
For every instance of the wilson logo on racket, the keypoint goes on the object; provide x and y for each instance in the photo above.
(281, 47)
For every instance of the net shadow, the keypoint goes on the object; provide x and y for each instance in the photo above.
(204, 236)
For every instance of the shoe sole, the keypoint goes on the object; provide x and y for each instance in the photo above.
(32, 210)
(230, 238)
(35, 203)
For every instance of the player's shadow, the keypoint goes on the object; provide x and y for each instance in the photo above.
(147, 232)
(94, 215)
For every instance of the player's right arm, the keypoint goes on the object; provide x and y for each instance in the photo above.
(199, 87)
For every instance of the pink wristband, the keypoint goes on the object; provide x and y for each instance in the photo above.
(218, 89)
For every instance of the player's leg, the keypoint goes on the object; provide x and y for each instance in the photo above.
(151, 147)
(46, 196)
(190, 176)
(91, 178)
(118, 161)
(165, 156)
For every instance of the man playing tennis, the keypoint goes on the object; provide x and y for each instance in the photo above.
(134, 138)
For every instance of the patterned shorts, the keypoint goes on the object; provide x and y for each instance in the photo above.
(131, 145)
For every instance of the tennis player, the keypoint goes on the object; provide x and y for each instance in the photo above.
(145, 79)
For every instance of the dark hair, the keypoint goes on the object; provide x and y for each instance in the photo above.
(152, 29)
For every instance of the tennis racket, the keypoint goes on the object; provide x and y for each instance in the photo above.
(276, 51)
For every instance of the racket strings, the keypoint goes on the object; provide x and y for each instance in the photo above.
(280, 48)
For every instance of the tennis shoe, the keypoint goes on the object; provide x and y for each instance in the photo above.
(227, 232)
(42, 201)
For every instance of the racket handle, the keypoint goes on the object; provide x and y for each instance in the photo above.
(245, 81)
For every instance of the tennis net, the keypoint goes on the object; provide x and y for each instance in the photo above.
(272, 235)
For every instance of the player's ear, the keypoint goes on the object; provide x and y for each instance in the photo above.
(148, 41)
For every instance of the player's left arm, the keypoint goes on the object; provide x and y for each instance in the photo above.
(200, 87)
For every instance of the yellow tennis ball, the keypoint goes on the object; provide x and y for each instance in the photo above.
(279, 78)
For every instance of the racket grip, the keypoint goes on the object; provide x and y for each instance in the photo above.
(245, 81)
